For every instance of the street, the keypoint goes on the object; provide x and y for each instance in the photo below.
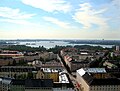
(73, 79)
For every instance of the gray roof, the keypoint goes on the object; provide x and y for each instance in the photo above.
(95, 70)
(5, 80)
(82, 71)
(107, 81)
(28, 82)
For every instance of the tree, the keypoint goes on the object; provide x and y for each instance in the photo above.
(9, 63)
(14, 63)
(41, 59)
(22, 62)
(15, 76)
(30, 75)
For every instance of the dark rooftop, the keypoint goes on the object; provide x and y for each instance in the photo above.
(18, 82)
(88, 78)
(59, 85)
(39, 83)
(103, 81)
(107, 81)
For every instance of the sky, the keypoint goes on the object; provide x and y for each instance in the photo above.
(60, 19)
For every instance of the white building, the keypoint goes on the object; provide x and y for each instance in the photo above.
(5, 84)
(117, 48)
(64, 83)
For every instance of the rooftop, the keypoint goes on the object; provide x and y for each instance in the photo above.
(18, 82)
(63, 78)
(39, 83)
(108, 81)
(49, 70)
(28, 82)
(5, 80)
(82, 71)
(17, 67)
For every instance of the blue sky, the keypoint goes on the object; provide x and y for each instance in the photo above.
(59, 19)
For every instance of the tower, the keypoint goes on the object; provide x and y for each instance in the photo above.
(117, 48)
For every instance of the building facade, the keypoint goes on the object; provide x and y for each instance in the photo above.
(96, 79)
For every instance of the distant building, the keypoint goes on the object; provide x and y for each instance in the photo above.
(117, 48)
(69, 51)
(75, 59)
(109, 65)
(74, 63)
(54, 64)
(112, 54)
(52, 55)
(7, 57)
(7, 53)
(48, 55)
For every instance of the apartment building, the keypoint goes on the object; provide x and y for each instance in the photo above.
(8, 84)
(97, 79)
(5, 83)
(51, 74)
(64, 84)
(16, 71)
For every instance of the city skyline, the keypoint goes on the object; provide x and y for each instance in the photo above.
(59, 19)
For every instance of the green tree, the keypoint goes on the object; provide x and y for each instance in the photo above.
(30, 75)
(14, 63)
(41, 59)
(9, 63)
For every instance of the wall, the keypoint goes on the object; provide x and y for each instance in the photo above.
(105, 88)
(60, 89)
(39, 89)
(83, 84)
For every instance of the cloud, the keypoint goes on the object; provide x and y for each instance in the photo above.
(57, 22)
(49, 5)
(24, 22)
(14, 16)
(14, 13)
(88, 16)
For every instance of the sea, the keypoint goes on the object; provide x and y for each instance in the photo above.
(51, 44)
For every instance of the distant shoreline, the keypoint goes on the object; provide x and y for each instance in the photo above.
(56, 40)
(52, 43)
(98, 42)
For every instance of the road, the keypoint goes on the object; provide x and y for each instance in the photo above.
(73, 79)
